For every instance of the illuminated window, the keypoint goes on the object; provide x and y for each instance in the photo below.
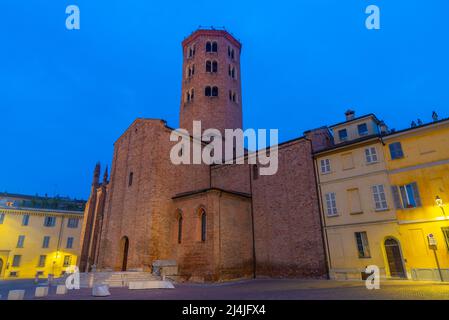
(16, 260)
(69, 243)
(362, 244)
(371, 155)
(20, 241)
(46, 242)
(325, 166)
(25, 220)
(396, 151)
(379, 197)
(446, 235)
(72, 223)
(67, 261)
(406, 196)
(49, 221)
(331, 204)
(42, 259)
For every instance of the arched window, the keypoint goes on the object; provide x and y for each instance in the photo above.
(214, 47)
(207, 91)
(234, 97)
(232, 54)
(208, 66)
(179, 227)
(187, 96)
(214, 66)
(192, 93)
(230, 95)
(193, 69)
(233, 73)
(203, 224)
(214, 91)
(229, 51)
(208, 47)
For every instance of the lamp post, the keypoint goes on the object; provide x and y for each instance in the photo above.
(439, 202)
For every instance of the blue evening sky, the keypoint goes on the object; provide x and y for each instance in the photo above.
(66, 96)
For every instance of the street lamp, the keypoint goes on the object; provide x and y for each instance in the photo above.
(439, 202)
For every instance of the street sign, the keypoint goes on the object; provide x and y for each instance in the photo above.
(431, 239)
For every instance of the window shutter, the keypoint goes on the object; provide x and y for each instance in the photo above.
(416, 194)
(396, 197)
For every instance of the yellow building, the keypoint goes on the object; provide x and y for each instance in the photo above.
(384, 199)
(418, 167)
(356, 202)
(37, 241)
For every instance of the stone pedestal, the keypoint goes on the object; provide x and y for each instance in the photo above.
(16, 295)
(41, 292)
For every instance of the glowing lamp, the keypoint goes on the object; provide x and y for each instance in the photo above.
(439, 201)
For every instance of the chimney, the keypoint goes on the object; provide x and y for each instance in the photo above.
(350, 115)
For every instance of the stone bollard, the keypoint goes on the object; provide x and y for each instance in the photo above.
(41, 292)
(91, 280)
(101, 290)
(16, 295)
(61, 289)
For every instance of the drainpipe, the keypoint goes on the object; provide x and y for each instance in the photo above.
(324, 238)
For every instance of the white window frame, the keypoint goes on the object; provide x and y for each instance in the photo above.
(325, 166)
(331, 204)
(379, 197)
(371, 155)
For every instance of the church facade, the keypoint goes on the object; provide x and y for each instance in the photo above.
(218, 222)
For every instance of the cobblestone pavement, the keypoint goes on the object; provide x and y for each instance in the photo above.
(260, 289)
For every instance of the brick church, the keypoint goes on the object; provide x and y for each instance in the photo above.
(218, 222)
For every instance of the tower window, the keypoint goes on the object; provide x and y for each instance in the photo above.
(191, 51)
(190, 71)
(230, 52)
(211, 46)
(211, 66)
(208, 66)
(232, 96)
(192, 94)
(211, 91)
(231, 71)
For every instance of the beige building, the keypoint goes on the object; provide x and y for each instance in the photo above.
(38, 241)
(357, 207)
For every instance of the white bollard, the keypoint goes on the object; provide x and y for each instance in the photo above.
(101, 290)
(61, 289)
(16, 295)
(41, 292)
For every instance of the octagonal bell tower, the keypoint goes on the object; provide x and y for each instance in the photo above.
(211, 86)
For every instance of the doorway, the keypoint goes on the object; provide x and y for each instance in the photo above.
(394, 257)
(124, 245)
